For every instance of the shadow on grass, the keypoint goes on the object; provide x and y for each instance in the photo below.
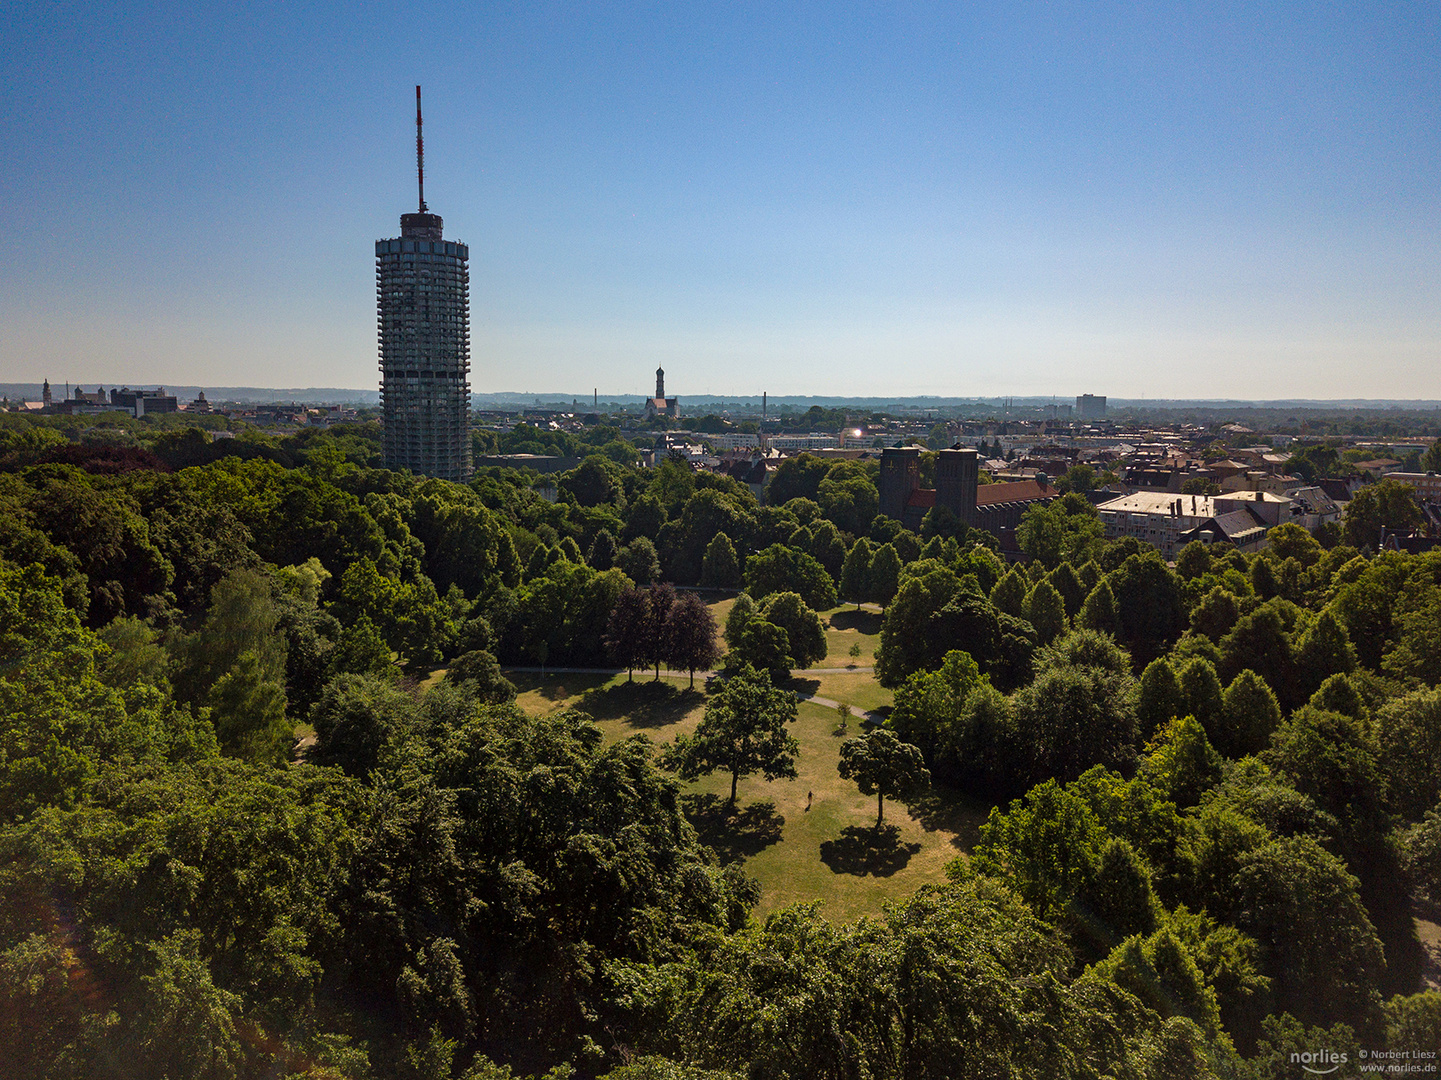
(804, 687)
(555, 687)
(861, 851)
(734, 832)
(878, 716)
(865, 622)
(643, 704)
(946, 808)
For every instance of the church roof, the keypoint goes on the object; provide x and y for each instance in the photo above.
(922, 497)
(1016, 491)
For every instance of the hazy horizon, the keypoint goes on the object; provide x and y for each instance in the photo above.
(1192, 204)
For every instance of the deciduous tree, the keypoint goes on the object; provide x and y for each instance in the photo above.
(628, 633)
(882, 765)
(884, 578)
(690, 635)
(783, 569)
(1161, 699)
(720, 568)
(743, 732)
(1249, 713)
(1046, 611)
(805, 635)
(855, 573)
(1388, 504)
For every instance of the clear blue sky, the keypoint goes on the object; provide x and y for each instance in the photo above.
(1170, 200)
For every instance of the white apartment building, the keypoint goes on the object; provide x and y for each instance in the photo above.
(813, 441)
(1160, 518)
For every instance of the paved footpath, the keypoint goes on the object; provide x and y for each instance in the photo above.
(667, 673)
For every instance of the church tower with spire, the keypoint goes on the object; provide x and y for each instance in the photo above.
(660, 405)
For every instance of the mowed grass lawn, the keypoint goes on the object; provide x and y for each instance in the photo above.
(811, 838)
(830, 852)
(846, 628)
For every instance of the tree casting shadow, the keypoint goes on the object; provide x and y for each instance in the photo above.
(734, 833)
(947, 809)
(866, 622)
(861, 851)
(642, 704)
(556, 687)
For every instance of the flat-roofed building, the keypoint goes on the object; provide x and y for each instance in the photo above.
(1427, 485)
(1163, 519)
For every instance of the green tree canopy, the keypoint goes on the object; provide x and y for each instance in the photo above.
(743, 732)
(884, 577)
(1249, 713)
(805, 634)
(1387, 504)
(1046, 611)
(1161, 699)
(720, 568)
(783, 569)
(882, 765)
(689, 633)
(855, 572)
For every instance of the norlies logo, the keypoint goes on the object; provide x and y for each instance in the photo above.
(1319, 1062)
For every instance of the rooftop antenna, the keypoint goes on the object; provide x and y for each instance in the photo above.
(419, 151)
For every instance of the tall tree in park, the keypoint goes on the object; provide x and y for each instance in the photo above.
(626, 632)
(856, 572)
(1079, 710)
(1160, 699)
(743, 732)
(1046, 611)
(762, 645)
(1216, 614)
(235, 664)
(661, 598)
(720, 568)
(784, 569)
(638, 561)
(1249, 714)
(884, 579)
(1324, 650)
(690, 635)
(1066, 582)
(804, 632)
(882, 765)
(603, 551)
(741, 612)
(1009, 594)
(1099, 610)
(1149, 603)
(1067, 529)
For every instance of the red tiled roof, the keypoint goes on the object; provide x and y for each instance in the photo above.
(1016, 491)
(922, 497)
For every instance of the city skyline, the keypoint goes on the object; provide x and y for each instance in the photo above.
(1208, 203)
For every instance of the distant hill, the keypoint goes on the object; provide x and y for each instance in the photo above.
(316, 395)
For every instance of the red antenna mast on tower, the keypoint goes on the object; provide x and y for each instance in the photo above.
(419, 151)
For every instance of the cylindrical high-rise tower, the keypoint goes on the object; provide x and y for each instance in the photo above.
(423, 294)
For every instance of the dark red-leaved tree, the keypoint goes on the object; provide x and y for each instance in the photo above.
(626, 629)
(662, 599)
(690, 635)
